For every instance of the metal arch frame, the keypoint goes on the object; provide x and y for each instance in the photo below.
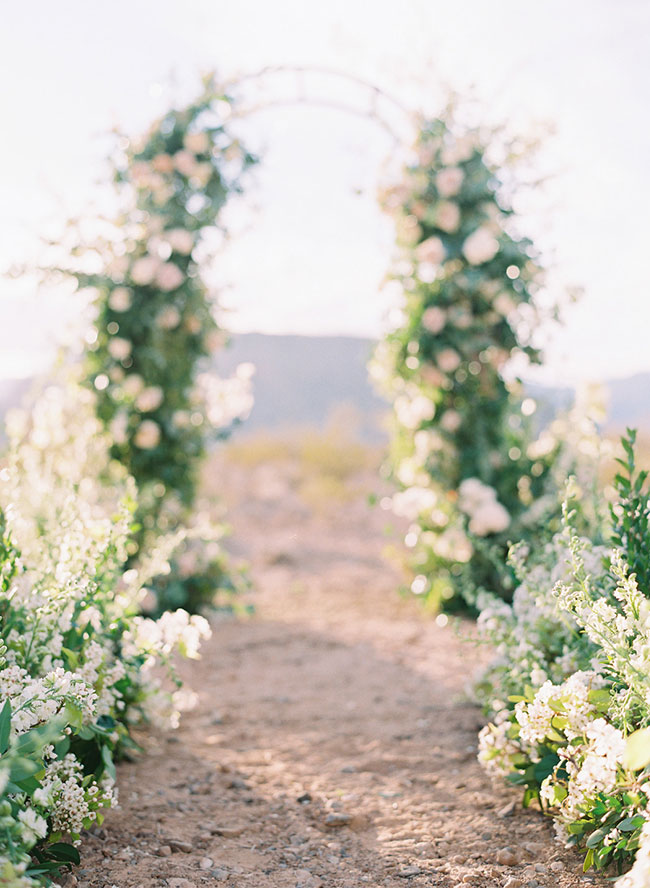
(375, 92)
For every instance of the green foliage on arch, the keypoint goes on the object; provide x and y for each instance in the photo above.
(148, 356)
(461, 448)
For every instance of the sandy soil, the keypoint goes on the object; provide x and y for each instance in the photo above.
(332, 745)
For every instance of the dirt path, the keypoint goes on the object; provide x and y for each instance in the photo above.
(331, 745)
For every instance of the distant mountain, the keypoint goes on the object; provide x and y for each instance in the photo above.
(301, 380)
(308, 380)
(305, 380)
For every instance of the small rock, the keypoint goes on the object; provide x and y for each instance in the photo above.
(408, 871)
(541, 868)
(507, 810)
(180, 883)
(220, 874)
(507, 857)
(304, 798)
(335, 821)
(305, 879)
(237, 783)
(556, 866)
(512, 882)
(206, 863)
(458, 859)
(178, 845)
(228, 832)
(164, 851)
(529, 872)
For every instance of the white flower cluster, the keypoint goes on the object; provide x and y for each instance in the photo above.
(75, 660)
(479, 502)
(227, 400)
(70, 801)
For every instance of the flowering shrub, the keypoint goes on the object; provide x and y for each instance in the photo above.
(460, 448)
(76, 660)
(570, 696)
(154, 331)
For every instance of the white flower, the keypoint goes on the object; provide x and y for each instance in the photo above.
(449, 181)
(432, 250)
(163, 163)
(185, 163)
(149, 399)
(180, 240)
(147, 435)
(481, 246)
(451, 421)
(504, 304)
(144, 270)
(119, 348)
(198, 143)
(120, 299)
(448, 360)
(169, 318)
(133, 384)
(169, 276)
(34, 826)
(447, 216)
(434, 319)
(491, 517)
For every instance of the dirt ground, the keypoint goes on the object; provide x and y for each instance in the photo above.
(333, 743)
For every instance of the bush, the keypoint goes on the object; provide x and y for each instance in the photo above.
(76, 660)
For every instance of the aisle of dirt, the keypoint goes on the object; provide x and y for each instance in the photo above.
(332, 745)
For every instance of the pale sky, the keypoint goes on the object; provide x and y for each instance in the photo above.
(312, 246)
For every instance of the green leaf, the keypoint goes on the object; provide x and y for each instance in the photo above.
(21, 768)
(5, 727)
(637, 750)
(596, 837)
(631, 823)
(63, 851)
(589, 859)
(109, 765)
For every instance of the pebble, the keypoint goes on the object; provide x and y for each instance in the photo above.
(206, 863)
(305, 879)
(556, 866)
(541, 868)
(220, 874)
(409, 871)
(164, 851)
(178, 845)
(180, 883)
(507, 810)
(335, 821)
(507, 857)
(228, 832)
(512, 882)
